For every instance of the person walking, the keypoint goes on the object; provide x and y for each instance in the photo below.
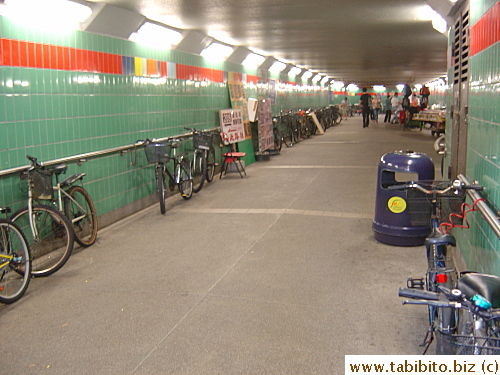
(395, 103)
(364, 102)
(388, 110)
(343, 106)
(376, 105)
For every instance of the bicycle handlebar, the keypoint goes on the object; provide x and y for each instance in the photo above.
(418, 294)
(445, 299)
(34, 161)
(432, 303)
(453, 185)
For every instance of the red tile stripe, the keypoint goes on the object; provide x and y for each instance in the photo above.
(486, 31)
(46, 56)
(195, 73)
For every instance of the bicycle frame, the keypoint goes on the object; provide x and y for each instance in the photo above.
(33, 228)
(60, 193)
(177, 159)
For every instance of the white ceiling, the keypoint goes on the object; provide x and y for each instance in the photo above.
(367, 42)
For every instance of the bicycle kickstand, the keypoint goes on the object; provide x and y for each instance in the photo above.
(428, 339)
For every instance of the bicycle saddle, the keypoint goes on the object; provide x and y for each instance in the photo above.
(438, 238)
(175, 143)
(487, 286)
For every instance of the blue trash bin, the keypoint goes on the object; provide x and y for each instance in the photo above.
(392, 222)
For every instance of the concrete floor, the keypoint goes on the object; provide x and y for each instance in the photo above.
(276, 273)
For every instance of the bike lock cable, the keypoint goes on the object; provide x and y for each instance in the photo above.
(462, 215)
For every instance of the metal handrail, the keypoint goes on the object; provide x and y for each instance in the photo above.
(89, 155)
(491, 218)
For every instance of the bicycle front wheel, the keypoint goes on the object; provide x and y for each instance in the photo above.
(278, 141)
(198, 170)
(80, 210)
(15, 262)
(160, 186)
(210, 165)
(185, 183)
(51, 247)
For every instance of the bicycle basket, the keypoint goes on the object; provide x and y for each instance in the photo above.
(420, 206)
(469, 345)
(42, 184)
(157, 152)
(202, 141)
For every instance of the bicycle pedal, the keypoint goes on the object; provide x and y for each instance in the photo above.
(415, 283)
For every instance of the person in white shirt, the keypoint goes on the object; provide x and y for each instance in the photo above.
(395, 103)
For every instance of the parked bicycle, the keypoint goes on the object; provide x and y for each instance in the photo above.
(475, 304)
(203, 164)
(74, 201)
(283, 130)
(49, 232)
(441, 274)
(15, 261)
(160, 153)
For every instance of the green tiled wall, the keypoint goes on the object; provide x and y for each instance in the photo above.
(53, 114)
(479, 246)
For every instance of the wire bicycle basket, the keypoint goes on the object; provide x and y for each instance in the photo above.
(157, 152)
(469, 345)
(420, 203)
(42, 184)
(202, 141)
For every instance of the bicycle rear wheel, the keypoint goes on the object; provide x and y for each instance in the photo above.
(80, 210)
(160, 186)
(185, 183)
(198, 170)
(51, 249)
(15, 262)
(210, 164)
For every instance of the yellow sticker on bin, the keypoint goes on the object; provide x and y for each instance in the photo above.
(396, 205)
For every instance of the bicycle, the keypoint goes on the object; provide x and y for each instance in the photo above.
(278, 137)
(49, 232)
(203, 164)
(160, 153)
(284, 129)
(15, 261)
(475, 303)
(74, 201)
(442, 198)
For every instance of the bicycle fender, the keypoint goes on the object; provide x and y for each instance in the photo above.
(72, 179)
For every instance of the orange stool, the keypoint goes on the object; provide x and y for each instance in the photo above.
(235, 158)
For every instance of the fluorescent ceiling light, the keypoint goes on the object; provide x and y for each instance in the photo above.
(47, 14)
(439, 23)
(253, 59)
(324, 80)
(400, 87)
(294, 71)
(307, 74)
(337, 85)
(316, 78)
(352, 87)
(278, 66)
(153, 34)
(217, 51)
(379, 88)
